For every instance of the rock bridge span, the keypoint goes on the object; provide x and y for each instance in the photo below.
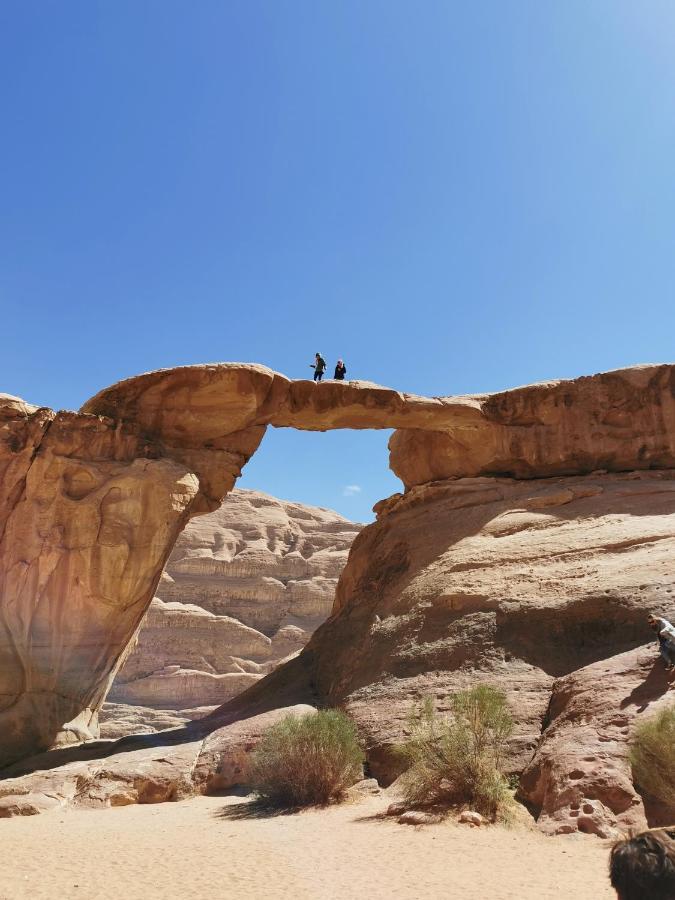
(91, 503)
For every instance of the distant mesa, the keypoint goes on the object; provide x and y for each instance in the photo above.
(244, 588)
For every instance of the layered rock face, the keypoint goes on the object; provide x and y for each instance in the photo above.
(245, 587)
(269, 563)
(540, 588)
(618, 421)
(496, 580)
(89, 520)
(141, 769)
(507, 559)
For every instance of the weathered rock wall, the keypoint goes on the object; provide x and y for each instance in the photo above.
(540, 588)
(93, 503)
(619, 421)
(580, 777)
(245, 587)
(89, 523)
(527, 586)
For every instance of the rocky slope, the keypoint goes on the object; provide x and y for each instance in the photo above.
(245, 587)
(535, 533)
(541, 588)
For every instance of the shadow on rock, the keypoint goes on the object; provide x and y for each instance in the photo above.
(655, 685)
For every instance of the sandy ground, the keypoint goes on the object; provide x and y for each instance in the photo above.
(212, 847)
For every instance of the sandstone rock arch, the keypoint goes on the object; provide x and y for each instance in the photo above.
(91, 503)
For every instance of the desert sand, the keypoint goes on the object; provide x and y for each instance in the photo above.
(215, 847)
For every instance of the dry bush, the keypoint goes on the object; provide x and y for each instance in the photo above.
(652, 756)
(460, 761)
(307, 760)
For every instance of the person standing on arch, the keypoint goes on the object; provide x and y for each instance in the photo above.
(319, 367)
(340, 371)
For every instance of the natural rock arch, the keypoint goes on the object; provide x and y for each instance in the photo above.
(91, 503)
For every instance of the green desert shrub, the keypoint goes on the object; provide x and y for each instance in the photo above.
(459, 761)
(307, 760)
(652, 756)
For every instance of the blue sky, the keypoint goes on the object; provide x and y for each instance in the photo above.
(454, 197)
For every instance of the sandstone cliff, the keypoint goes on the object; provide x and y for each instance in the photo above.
(541, 588)
(535, 533)
(244, 588)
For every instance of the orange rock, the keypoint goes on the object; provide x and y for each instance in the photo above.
(580, 776)
(92, 504)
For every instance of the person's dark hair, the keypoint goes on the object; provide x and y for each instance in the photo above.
(643, 866)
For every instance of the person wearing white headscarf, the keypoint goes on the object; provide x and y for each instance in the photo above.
(666, 638)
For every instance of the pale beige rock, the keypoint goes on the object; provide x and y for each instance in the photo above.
(90, 524)
(470, 817)
(117, 720)
(510, 583)
(93, 505)
(140, 769)
(396, 809)
(480, 580)
(266, 562)
(189, 636)
(173, 687)
(492, 580)
(364, 788)
(618, 421)
(224, 757)
(203, 417)
(270, 563)
(420, 817)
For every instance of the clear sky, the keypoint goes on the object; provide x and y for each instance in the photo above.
(452, 196)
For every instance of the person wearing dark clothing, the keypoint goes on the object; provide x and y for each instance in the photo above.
(319, 367)
(340, 371)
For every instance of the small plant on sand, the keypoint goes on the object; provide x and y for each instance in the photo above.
(460, 761)
(652, 756)
(307, 760)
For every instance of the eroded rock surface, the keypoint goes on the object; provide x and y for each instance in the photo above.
(140, 769)
(509, 582)
(580, 778)
(90, 520)
(244, 588)
(619, 420)
(118, 720)
(469, 575)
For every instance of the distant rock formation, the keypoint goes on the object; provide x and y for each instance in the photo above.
(245, 587)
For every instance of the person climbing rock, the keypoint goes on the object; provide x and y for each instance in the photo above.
(319, 367)
(340, 371)
(666, 637)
